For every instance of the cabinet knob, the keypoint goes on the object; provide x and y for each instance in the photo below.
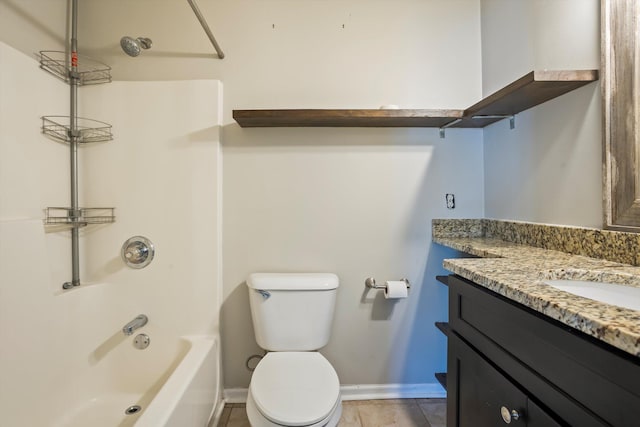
(509, 415)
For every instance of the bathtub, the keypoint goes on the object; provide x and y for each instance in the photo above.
(174, 382)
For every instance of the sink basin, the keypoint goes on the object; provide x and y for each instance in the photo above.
(610, 293)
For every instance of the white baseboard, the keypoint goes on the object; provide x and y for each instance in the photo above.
(235, 395)
(392, 391)
(364, 392)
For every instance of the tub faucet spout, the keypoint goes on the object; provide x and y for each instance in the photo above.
(136, 323)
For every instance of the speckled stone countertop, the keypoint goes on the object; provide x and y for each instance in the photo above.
(516, 270)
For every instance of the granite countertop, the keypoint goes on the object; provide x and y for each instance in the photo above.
(517, 270)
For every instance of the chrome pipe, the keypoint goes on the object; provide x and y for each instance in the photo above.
(206, 28)
(74, 81)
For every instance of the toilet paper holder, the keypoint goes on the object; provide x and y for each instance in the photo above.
(370, 282)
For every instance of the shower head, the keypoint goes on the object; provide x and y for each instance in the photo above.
(133, 47)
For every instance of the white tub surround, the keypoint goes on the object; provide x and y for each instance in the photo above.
(161, 172)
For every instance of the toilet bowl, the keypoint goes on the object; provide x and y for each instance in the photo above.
(294, 389)
(293, 384)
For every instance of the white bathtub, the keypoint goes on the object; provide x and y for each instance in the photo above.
(176, 383)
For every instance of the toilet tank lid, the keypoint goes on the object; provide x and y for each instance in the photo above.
(293, 281)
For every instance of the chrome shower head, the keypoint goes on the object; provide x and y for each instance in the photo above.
(133, 47)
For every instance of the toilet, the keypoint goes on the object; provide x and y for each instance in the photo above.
(293, 384)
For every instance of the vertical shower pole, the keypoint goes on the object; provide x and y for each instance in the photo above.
(74, 81)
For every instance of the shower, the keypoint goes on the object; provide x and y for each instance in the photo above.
(133, 47)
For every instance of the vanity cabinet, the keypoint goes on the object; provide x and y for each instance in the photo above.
(486, 397)
(505, 357)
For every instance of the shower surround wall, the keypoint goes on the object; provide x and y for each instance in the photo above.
(161, 173)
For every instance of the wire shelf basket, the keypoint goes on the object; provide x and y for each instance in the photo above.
(89, 71)
(82, 216)
(88, 130)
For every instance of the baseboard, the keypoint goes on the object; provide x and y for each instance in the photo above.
(235, 395)
(392, 391)
(364, 392)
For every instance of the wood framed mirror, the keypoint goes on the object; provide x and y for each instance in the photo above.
(620, 77)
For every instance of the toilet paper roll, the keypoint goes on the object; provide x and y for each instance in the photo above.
(395, 289)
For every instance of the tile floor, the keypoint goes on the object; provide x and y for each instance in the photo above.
(367, 413)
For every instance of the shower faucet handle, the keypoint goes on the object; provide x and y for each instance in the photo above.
(137, 252)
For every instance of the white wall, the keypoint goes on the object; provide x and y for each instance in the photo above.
(318, 54)
(31, 320)
(356, 202)
(549, 168)
(34, 25)
(161, 174)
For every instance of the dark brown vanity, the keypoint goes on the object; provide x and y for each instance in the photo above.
(508, 364)
(524, 353)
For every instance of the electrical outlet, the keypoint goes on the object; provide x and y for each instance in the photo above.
(451, 201)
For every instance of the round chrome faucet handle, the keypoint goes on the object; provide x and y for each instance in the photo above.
(137, 252)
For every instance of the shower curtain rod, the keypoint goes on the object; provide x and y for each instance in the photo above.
(206, 28)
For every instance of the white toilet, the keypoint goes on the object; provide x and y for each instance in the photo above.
(293, 385)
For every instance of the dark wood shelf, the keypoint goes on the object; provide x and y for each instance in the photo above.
(443, 279)
(532, 89)
(444, 327)
(345, 118)
(442, 379)
(535, 88)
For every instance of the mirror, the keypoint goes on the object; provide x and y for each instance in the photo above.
(620, 77)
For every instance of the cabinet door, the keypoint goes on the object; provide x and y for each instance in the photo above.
(479, 394)
(537, 417)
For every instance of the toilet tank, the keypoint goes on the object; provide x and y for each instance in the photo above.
(292, 311)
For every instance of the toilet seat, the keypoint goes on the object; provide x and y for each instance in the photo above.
(295, 388)
(256, 419)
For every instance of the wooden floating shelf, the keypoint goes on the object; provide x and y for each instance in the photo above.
(528, 91)
(535, 88)
(345, 118)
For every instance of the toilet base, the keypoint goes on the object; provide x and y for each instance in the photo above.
(256, 419)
